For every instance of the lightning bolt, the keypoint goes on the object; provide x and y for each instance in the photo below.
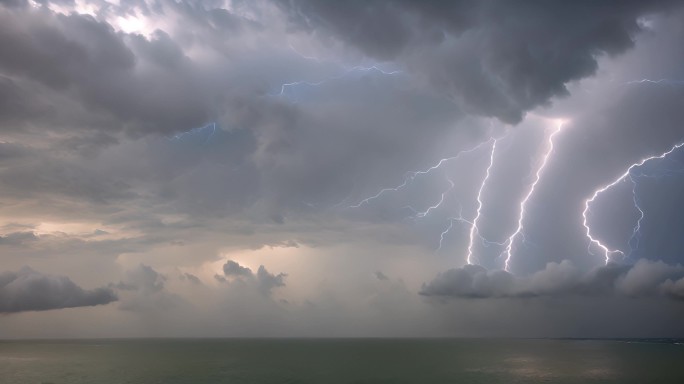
(523, 203)
(196, 131)
(634, 240)
(410, 176)
(608, 252)
(660, 81)
(473, 228)
(446, 231)
(636, 232)
(435, 206)
(358, 68)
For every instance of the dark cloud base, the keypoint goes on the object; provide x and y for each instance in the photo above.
(28, 290)
(643, 279)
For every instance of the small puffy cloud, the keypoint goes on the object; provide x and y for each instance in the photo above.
(644, 278)
(144, 279)
(232, 268)
(143, 290)
(28, 290)
(267, 281)
(191, 278)
(264, 281)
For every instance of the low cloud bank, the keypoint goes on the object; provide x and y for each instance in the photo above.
(28, 290)
(644, 278)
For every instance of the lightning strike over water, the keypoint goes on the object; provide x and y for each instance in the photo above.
(523, 203)
(608, 252)
(473, 228)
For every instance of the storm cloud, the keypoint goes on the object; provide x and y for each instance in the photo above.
(495, 58)
(311, 168)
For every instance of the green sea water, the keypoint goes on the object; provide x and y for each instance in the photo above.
(326, 361)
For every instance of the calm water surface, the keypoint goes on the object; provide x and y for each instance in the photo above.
(339, 361)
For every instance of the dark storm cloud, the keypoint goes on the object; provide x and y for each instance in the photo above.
(145, 85)
(645, 278)
(100, 128)
(495, 58)
(48, 178)
(111, 81)
(28, 290)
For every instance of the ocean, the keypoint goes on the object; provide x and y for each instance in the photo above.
(330, 361)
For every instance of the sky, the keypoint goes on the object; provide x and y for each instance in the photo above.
(221, 168)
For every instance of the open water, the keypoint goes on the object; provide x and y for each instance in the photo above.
(330, 361)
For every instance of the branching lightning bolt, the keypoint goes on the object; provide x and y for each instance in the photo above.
(636, 232)
(346, 73)
(410, 176)
(459, 218)
(523, 203)
(473, 227)
(435, 206)
(608, 252)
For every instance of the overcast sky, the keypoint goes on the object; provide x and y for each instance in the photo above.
(317, 168)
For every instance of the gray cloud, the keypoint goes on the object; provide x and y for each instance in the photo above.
(495, 58)
(28, 290)
(268, 281)
(191, 278)
(18, 238)
(143, 278)
(232, 268)
(643, 279)
(263, 280)
(103, 79)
